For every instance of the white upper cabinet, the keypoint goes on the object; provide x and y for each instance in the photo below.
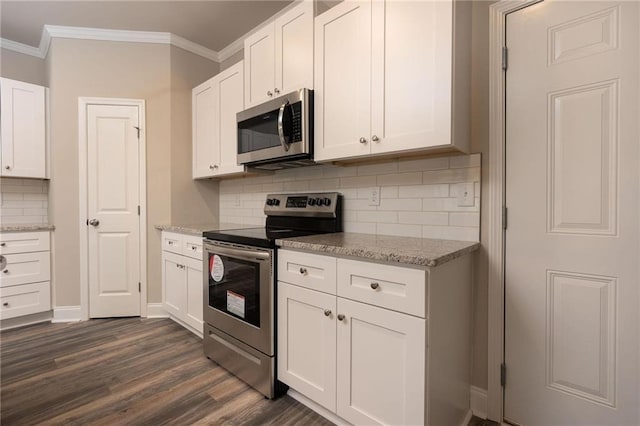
(385, 78)
(279, 57)
(22, 123)
(215, 104)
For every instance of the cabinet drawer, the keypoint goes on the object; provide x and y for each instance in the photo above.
(23, 242)
(392, 287)
(307, 270)
(192, 246)
(24, 268)
(172, 242)
(24, 299)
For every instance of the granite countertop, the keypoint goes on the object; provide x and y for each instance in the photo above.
(198, 229)
(414, 251)
(27, 227)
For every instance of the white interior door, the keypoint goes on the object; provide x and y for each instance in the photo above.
(113, 220)
(572, 184)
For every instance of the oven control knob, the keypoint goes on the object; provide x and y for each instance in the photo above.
(275, 202)
(312, 201)
(269, 202)
(327, 202)
(319, 201)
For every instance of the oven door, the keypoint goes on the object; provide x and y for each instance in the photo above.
(238, 283)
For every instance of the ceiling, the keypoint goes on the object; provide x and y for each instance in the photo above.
(213, 24)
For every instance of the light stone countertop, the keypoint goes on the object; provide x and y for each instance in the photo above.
(198, 229)
(27, 227)
(407, 250)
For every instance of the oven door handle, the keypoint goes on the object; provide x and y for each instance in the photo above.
(283, 142)
(237, 253)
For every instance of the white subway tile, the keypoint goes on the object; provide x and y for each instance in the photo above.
(451, 176)
(296, 185)
(36, 197)
(273, 187)
(424, 218)
(357, 181)
(400, 204)
(33, 182)
(464, 219)
(451, 233)
(378, 216)
(412, 178)
(331, 171)
(325, 184)
(359, 227)
(6, 211)
(423, 191)
(348, 193)
(22, 204)
(464, 161)
(398, 229)
(16, 189)
(423, 164)
(357, 204)
(258, 213)
(10, 220)
(254, 187)
(13, 196)
(447, 205)
(378, 169)
(389, 192)
(251, 204)
(35, 212)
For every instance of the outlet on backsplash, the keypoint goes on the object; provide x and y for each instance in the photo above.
(374, 196)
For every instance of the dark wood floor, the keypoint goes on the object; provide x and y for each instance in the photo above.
(126, 371)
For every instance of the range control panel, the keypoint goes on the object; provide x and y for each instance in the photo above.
(321, 204)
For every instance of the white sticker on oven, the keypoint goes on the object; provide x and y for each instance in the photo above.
(235, 304)
(216, 267)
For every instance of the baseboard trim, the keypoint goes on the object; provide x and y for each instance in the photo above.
(316, 407)
(67, 314)
(199, 333)
(9, 323)
(479, 402)
(156, 310)
(467, 418)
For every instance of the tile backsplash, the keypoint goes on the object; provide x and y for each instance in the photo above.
(418, 197)
(23, 201)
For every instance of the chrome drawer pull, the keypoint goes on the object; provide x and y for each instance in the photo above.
(5, 304)
(340, 317)
(303, 271)
(6, 271)
(327, 312)
(375, 286)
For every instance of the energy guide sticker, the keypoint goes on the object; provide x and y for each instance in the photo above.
(235, 304)
(216, 267)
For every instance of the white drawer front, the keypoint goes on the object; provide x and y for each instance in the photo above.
(192, 247)
(172, 242)
(23, 242)
(24, 299)
(312, 271)
(25, 268)
(392, 287)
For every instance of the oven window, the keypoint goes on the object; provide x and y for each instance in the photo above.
(234, 287)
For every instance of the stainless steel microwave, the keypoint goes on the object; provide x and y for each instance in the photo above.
(278, 133)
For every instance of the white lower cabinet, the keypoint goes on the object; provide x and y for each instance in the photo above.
(368, 363)
(182, 281)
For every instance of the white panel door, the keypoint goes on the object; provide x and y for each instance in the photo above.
(259, 66)
(294, 49)
(381, 365)
(23, 129)
(342, 81)
(307, 343)
(230, 101)
(204, 109)
(113, 199)
(572, 185)
(411, 75)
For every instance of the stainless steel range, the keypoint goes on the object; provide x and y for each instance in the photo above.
(240, 288)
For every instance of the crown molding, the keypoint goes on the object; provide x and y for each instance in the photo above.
(55, 31)
(21, 48)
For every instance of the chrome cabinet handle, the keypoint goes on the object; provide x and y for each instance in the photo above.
(7, 167)
(363, 140)
(5, 304)
(303, 271)
(3, 244)
(269, 93)
(213, 166)
(94, 222)
(375, 138)
(375, 286)
(327, 312)
(276, 90)
(194, 248)
(6, 271)
(340, 317)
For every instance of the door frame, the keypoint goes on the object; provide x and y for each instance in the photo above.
(495, 233)
(83, 104)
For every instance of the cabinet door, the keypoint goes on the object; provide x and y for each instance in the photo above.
(259, 66)
(230, 89)
(195, 293)
(294, 49)
(22, 129)
(307, 343)
(206, 154)
(174, 282)
(411, 75)
(342, 80)
(381, 365)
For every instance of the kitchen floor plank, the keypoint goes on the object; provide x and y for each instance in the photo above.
(126, 371)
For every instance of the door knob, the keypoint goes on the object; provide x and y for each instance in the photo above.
(94, 222)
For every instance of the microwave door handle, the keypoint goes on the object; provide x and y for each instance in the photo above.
(283, 142)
